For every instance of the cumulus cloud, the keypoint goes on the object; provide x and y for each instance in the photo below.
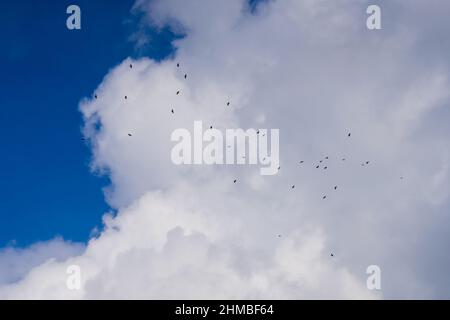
(15, 263)
(313, 70)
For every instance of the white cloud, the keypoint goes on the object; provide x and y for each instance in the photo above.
(15, 263)
(311, 69)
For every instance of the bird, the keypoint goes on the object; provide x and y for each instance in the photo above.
(343, 159)
(228, 103)
(326, 158)
(320, 161)
(279, 167)
(173, 111)
(302, 161)
(317, 167)
(129, 134)
(367, 162)
(95, 96)
(325, 168)
(279, 236)
(178, 65)
(335, 187)
(185, 76)
(235, 181)
(324, 197)
(349, 134)
(293, 186)
(332, 255)
(178, 92)
(83, 139)
(257, 132)
(131, 66)
(126, 97)
(210, 127)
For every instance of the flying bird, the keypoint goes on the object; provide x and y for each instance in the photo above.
(317, 167)
(95, 96)
(173, 111)
(349, 134)
(131, 66)
(235, 181)
(293, 186)
(324, 197)
(178, 65)
(325, 168)
(228, 103)
(326, 158)
(185, 76)
(302, 161)
(126, 97)
(367, 162)
(178, 92)
(129, 134)
(335, 187)
(332, 255)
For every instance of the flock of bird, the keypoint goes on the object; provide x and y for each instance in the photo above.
(317, 166)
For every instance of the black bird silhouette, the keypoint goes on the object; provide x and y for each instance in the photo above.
(349, 134)
(302, 161)
(335, 187)
(95, 96)
(129, 134)
(126, 97)
(173, 111)
(343, 159)
(326, 158)
(228, 103)
(279, 236)
(210, 127)
(332, 255)
(317, 167)
(320, 161)
(293, 186)
(257, 132)
(279, 167)
(185, 76)
(178, 92)
(234, 181)
(178, 65)
(367, 162)
(325, 168)
(131, 66)
(324, 197)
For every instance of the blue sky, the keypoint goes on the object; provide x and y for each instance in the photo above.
(46, 187)
(312, 69)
